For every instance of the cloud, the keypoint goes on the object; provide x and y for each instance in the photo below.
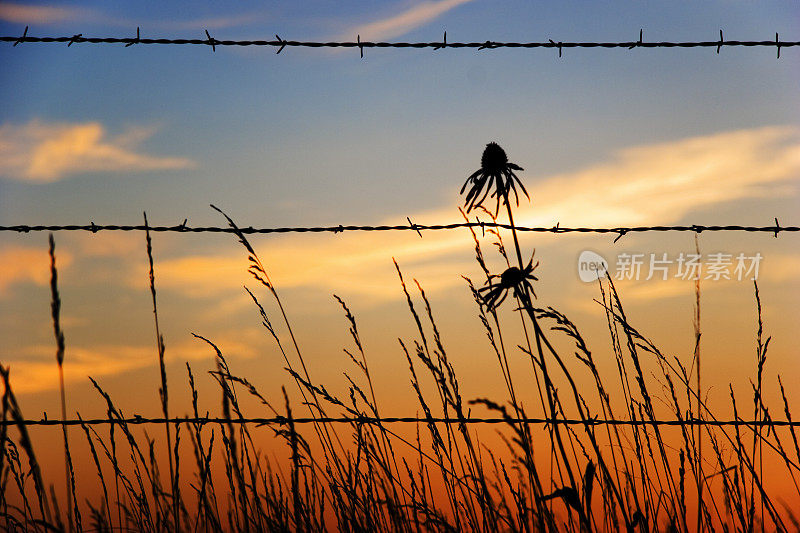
(20, 264)
(193, 274)
(362, 268)
(210, 23)
(36, 369)
(661, 183)
(43, 152)
(646, 185)
(24, 14)
(43, 14)
(127, 245)
(402, 23)
(779, 269)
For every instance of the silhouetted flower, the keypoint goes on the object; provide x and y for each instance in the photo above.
(513, 279)
(496, 175)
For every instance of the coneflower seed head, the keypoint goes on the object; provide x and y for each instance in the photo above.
(494, 158)
(511, 277)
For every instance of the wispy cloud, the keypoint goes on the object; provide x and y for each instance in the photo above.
(55, 14)
(417, 16)
(36, 371)
(211, 23)
(779, 269)
(21, 264)
(652, 184)
(663, 182)
(646, 185)
(46, 152)
(26, 14)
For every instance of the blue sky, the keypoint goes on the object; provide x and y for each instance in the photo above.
(327, 129)
(308, 137)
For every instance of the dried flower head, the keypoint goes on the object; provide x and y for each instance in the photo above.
(512, 279)
(496, 175)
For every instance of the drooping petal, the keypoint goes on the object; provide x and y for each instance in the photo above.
(472, 177)
(513, 177)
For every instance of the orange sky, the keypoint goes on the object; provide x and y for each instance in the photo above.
(682, 141)
(103, 277)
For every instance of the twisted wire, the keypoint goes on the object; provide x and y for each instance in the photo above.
(280, 420)
(411, 226)
(280, 43)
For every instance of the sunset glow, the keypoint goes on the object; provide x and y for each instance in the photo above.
(384, 323)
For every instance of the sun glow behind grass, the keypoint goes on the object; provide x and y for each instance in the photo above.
(450, 360)
(323, 137)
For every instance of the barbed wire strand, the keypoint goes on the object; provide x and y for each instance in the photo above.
(139, 420)
(411, 226)
(281, 43)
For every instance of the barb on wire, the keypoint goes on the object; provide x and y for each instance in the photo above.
(639, 42)
(412, 226)
(212, 42)
(22, 39)
(281, 43)
(443, 44)
(556, 44)
(138, 419)
(135, 41)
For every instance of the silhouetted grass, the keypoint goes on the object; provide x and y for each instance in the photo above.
(372, 476)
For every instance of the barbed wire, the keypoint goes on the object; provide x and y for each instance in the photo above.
(280, 43)
(411, 226)
(280, 420)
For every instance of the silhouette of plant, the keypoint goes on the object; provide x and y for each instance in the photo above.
(496, 176)
(612, 467)
(512, 279)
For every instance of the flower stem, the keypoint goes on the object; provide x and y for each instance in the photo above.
(513, 230)
(539, 336)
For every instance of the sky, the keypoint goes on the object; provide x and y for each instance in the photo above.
(607, 138)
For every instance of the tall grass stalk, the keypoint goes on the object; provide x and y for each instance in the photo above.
(698, 414)
(69, 475)
(162, 391)
(368, 475)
